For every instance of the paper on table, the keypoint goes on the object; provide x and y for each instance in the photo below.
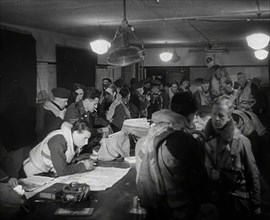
(98, 179)
(33, 182)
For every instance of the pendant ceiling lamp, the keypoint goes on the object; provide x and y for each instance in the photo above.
(261, 54)
(100, 46)
(166, 56)
(258, 41)
(122, 52)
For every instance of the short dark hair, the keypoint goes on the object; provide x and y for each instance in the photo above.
(90, 93)
(112, 87)
(216, 67)
(239, 73)
(175, 82)
(76, 86)
(184, 103)
(119, 83)
(201, 81)
(183, 80)
(229, 82)
(80, 126)
(124, 92)
(108, 79)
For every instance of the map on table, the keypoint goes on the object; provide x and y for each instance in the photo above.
(98, 179)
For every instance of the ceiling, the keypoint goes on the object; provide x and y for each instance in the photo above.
(176, 22)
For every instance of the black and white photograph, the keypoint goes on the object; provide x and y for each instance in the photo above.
(134, 109)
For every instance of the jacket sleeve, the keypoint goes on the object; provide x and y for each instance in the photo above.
(57, 146)
(72, 114)
(118, 118)
(252, 174)
(51, 122)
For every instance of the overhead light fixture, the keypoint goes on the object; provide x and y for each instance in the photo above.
(100, 46)
(166, 56)
(122, 52)
(258, 41)
(261, 54)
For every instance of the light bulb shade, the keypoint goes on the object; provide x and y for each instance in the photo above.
(100, 46)
(125, 56)
(261, 54)
(166, 56)
(258, 41)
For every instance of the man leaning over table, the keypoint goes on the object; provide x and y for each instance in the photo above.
(57, 151)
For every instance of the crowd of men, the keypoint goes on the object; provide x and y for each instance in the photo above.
(197, 161)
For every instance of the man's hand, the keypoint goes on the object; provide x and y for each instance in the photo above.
(13, 182)
(89, 164)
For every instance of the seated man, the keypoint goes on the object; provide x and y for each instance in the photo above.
(118, 111)
(170, 165)
(230, 165)
(56, 152)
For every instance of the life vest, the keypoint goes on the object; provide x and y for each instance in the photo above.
(150, 151)
(245, 124)
(40, 155)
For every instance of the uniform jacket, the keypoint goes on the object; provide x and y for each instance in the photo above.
(169, 166)
(233, 160)
(53, 117)
(138, 106)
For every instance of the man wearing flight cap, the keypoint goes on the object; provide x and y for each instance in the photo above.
(54, 111)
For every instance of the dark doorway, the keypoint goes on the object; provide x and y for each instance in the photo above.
(75, 65)
(17, 89)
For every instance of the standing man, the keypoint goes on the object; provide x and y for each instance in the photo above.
(184, 85)
(171, 177)
(230, 165)
(54, 111)
(202, 94)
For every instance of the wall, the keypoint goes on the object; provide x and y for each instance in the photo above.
(196, 57)
(46, 53)
(235, 60)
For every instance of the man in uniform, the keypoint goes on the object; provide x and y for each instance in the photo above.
(230, 165)
(54, 111)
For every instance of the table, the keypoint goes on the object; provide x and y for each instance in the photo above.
(111, 204)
